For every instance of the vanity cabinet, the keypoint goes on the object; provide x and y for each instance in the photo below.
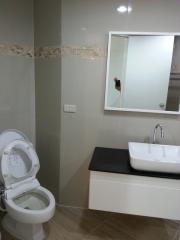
(116, 187)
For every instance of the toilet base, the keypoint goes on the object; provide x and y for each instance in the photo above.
(23, 231)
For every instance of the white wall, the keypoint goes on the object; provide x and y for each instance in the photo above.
(17, 91)
(87, 23)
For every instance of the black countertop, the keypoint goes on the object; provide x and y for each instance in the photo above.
(117, 161)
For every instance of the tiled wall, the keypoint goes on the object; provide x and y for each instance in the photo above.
(17, 82)
(87, 23)
(48, 91)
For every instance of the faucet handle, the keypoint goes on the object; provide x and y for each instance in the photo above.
(155, 129)
(159, 125)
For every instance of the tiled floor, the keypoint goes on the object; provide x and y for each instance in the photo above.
(77, 224)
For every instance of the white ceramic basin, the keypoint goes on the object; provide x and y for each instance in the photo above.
(154, 157)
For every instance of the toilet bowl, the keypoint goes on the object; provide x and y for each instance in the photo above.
(28, 204)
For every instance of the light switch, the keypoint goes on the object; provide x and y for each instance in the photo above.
(70, 108)
(66, 108)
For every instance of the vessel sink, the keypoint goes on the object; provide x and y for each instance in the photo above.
(154, 157)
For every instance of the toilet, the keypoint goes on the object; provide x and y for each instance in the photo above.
(27, 204)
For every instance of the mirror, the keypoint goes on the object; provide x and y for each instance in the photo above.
(143, 72)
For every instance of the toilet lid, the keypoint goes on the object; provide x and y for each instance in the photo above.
(19, 162)
(10, 135)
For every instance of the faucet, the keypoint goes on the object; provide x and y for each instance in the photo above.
(155, 130)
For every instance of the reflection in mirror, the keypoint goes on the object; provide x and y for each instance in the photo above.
(143, 72)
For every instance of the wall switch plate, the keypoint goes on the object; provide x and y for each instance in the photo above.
(70, 108)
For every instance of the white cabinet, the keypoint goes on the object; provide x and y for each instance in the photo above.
(139, 195)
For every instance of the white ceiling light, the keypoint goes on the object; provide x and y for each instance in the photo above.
(122, 9)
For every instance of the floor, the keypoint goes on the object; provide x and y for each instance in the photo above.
(78, 224)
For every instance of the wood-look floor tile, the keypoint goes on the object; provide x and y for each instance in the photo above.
(144, 228)
(78, 220)
(78, 224)
(109, 231)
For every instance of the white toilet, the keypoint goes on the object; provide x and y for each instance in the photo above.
(28, 205)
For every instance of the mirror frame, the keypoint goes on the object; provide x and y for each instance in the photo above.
(106, 107)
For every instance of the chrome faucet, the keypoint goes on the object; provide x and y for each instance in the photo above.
(155, 130)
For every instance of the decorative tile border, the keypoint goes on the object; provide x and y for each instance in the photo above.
(53, 52)
(66, 51)
(84, 52)
(48, 52)
(16, 50)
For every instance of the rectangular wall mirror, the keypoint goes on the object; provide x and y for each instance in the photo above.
(143, 72)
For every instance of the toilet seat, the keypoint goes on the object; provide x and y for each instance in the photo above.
(28, 215)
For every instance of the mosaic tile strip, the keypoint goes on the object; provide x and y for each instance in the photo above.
(66, 51)
(16, 50)
(48, 52)
(52, 52)
(84, 52)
